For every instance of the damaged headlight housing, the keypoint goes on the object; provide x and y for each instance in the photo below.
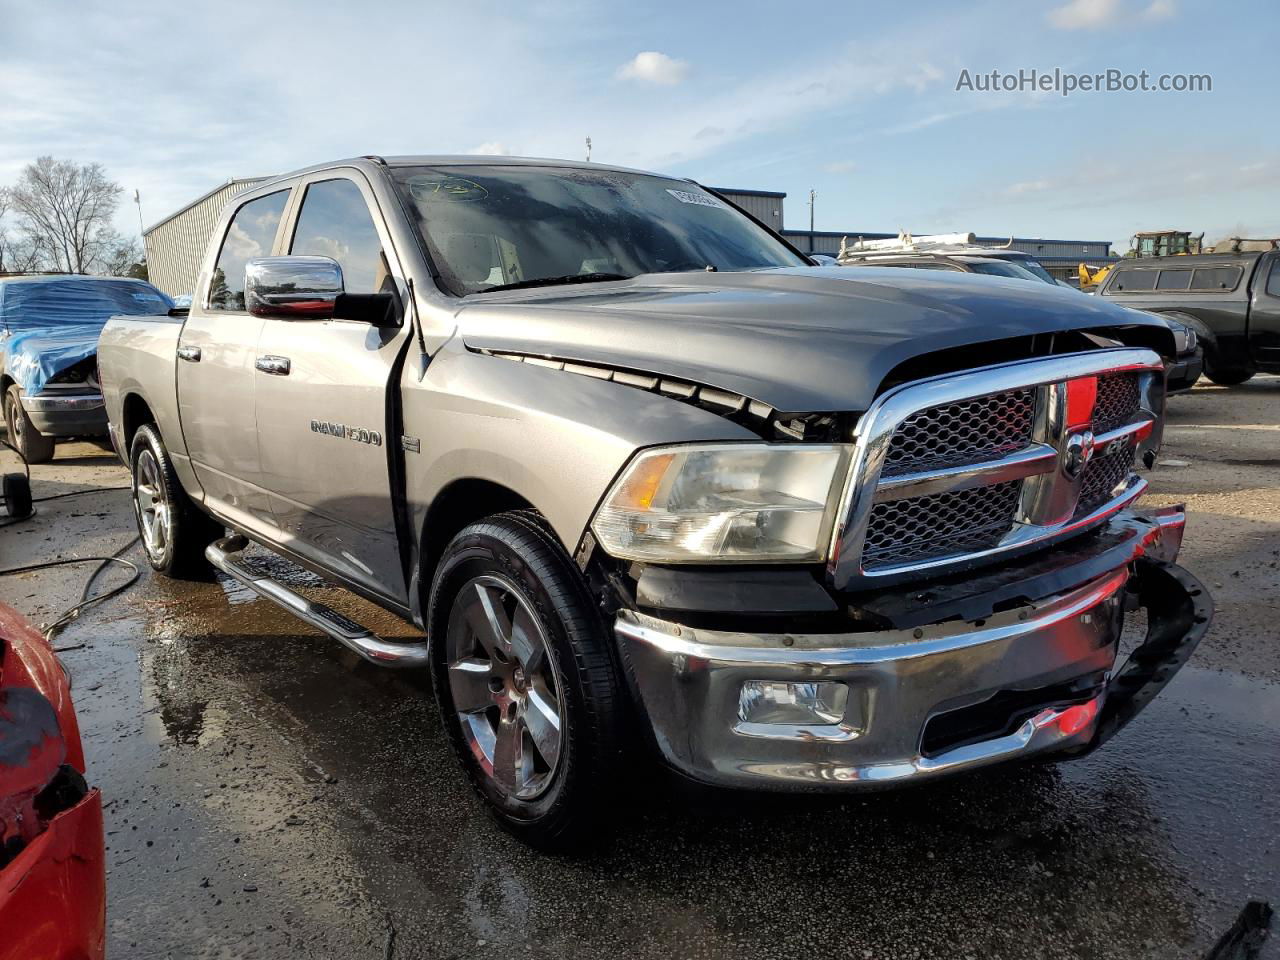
(724, 503)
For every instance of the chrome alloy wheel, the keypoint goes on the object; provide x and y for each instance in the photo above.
(155, 514)
(504, 686)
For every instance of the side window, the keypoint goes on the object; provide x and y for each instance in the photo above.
(335, 222)
(1174, 280)
(1129, 281)
(1273, 279)
(1215, 278)
(250, 234)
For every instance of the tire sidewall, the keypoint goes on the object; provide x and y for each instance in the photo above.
(475, 554)
(147, 439)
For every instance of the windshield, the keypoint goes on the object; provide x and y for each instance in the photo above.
(1034, 267)
(492, 227)
(1003, 268)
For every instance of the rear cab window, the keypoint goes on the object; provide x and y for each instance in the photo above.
(251, 233)
(1132, 281)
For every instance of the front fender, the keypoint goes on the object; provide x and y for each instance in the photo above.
(555, 438)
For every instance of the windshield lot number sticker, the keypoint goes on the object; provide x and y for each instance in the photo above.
(698, 199)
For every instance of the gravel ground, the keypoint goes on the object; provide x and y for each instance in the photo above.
(269, 795)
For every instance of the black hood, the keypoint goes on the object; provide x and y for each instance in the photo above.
(799, 339)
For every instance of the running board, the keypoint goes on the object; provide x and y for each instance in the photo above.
(222, 554)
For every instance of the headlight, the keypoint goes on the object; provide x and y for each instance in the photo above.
(725, 503)
(1192, 338)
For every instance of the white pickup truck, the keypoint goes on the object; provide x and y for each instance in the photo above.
(631, 462)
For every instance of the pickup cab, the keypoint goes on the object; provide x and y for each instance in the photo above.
(1231, 300)
(651, 482)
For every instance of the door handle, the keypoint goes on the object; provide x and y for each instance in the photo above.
(190, 354)
(276, 366)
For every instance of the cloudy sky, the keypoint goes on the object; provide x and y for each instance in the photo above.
(855, 100)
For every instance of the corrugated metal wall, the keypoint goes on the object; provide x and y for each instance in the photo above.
(176, 245)
(767, 210)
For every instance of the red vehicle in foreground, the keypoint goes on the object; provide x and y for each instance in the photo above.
(52, 874)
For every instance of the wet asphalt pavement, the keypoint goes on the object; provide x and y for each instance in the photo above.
(269, 795)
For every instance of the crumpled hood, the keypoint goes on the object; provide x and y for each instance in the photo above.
(32, 358)
(799, 339)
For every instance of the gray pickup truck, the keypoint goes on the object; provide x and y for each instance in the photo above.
(644, 475)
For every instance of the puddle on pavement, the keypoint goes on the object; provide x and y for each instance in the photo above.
(1002, 861)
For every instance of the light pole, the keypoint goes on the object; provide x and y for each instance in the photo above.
(588, 149)
(813, 195)
(142, 234)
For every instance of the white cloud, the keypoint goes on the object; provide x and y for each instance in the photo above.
(1084, 14)
(840, 166)
(492, 148)
(1091, 14)
(654, 67)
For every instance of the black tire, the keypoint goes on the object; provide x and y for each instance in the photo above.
(34, 446)
(518, 556)
(17, 495)
(179, 551)
(1228, 376)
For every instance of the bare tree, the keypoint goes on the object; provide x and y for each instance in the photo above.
(124, 258)
(65, 208)
(19, 252)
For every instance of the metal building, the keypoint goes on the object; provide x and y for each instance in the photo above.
(764, 205)
(176, 245)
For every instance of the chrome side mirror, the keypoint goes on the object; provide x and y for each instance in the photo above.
(292, 288)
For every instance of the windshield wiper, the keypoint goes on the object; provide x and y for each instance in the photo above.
(555, 281)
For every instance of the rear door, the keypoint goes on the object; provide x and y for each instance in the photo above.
(325, 412)
(1264, 314)
(215, 370)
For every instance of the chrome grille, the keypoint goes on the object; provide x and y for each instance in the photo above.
(968, 431)
(1119, 398)
(992, 460)
(901, 531)
(1103, 475)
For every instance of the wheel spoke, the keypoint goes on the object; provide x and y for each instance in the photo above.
(526, 644)
(469, 684)
(543, 721)
(489, 620)
(508, 756)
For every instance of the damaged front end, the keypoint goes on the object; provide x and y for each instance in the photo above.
(1018, 661)
(52, 875)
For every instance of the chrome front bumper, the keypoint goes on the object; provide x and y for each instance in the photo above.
(689, 680)
(67, 414)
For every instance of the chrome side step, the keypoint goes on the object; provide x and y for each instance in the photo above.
(383, 653)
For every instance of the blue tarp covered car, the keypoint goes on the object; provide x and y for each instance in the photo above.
(49, 327)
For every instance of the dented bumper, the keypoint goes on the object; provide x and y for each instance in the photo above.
(1013, 663)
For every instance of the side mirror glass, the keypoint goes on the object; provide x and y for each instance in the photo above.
(292, 288)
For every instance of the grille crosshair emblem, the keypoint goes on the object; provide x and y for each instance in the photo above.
(1078, 453)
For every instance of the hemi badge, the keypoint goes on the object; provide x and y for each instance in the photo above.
(412, 444)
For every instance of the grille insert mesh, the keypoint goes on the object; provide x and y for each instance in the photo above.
(1118, 400)
(968, 431)
(1103, 475)
(939, 525)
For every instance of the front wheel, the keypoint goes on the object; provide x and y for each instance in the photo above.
(174, 532)
(527, 687)
(31, 444)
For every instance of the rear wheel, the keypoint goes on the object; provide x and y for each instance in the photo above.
(174, 532)
(1226, 376)
(34, 446)
(524, 679)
